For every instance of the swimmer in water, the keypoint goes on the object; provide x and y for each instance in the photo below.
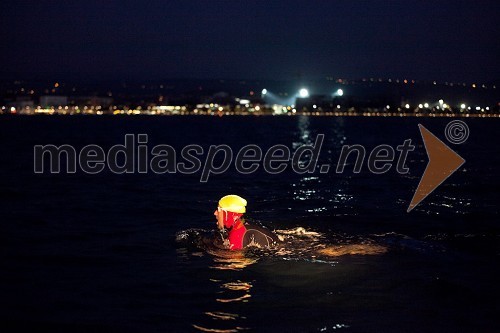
(240, 234)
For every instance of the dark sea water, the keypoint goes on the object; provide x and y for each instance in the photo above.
(115, 253)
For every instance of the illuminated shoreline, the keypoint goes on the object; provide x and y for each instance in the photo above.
(135, 112)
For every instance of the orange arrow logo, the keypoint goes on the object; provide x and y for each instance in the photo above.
(443, 162)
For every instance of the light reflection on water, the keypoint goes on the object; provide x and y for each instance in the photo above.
(327, 197)
(317, 198)
(304, 133)
(234, 263)
(223, 312)
(230, 292)
(108, 237)
(298, 244)
(310, 191)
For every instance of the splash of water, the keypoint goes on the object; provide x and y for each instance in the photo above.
(296, 244)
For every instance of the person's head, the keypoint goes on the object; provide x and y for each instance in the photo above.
(230, 209)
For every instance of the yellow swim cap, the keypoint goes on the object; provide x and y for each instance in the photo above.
(233, 203)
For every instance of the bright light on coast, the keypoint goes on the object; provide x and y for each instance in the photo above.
(462, 106)
(340, 92)
(426, 105)
(264, 91)
(304, 93)
(407, 106)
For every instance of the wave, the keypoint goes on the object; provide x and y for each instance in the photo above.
(295, 244)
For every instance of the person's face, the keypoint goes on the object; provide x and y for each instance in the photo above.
(219, 215)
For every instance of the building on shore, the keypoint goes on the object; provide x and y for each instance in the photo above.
(53, 101)
(21, 105)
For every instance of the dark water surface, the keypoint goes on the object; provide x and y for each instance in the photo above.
(98, 253)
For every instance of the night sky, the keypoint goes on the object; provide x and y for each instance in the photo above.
(423, 40)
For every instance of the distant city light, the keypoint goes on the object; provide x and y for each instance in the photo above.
(278, 102)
